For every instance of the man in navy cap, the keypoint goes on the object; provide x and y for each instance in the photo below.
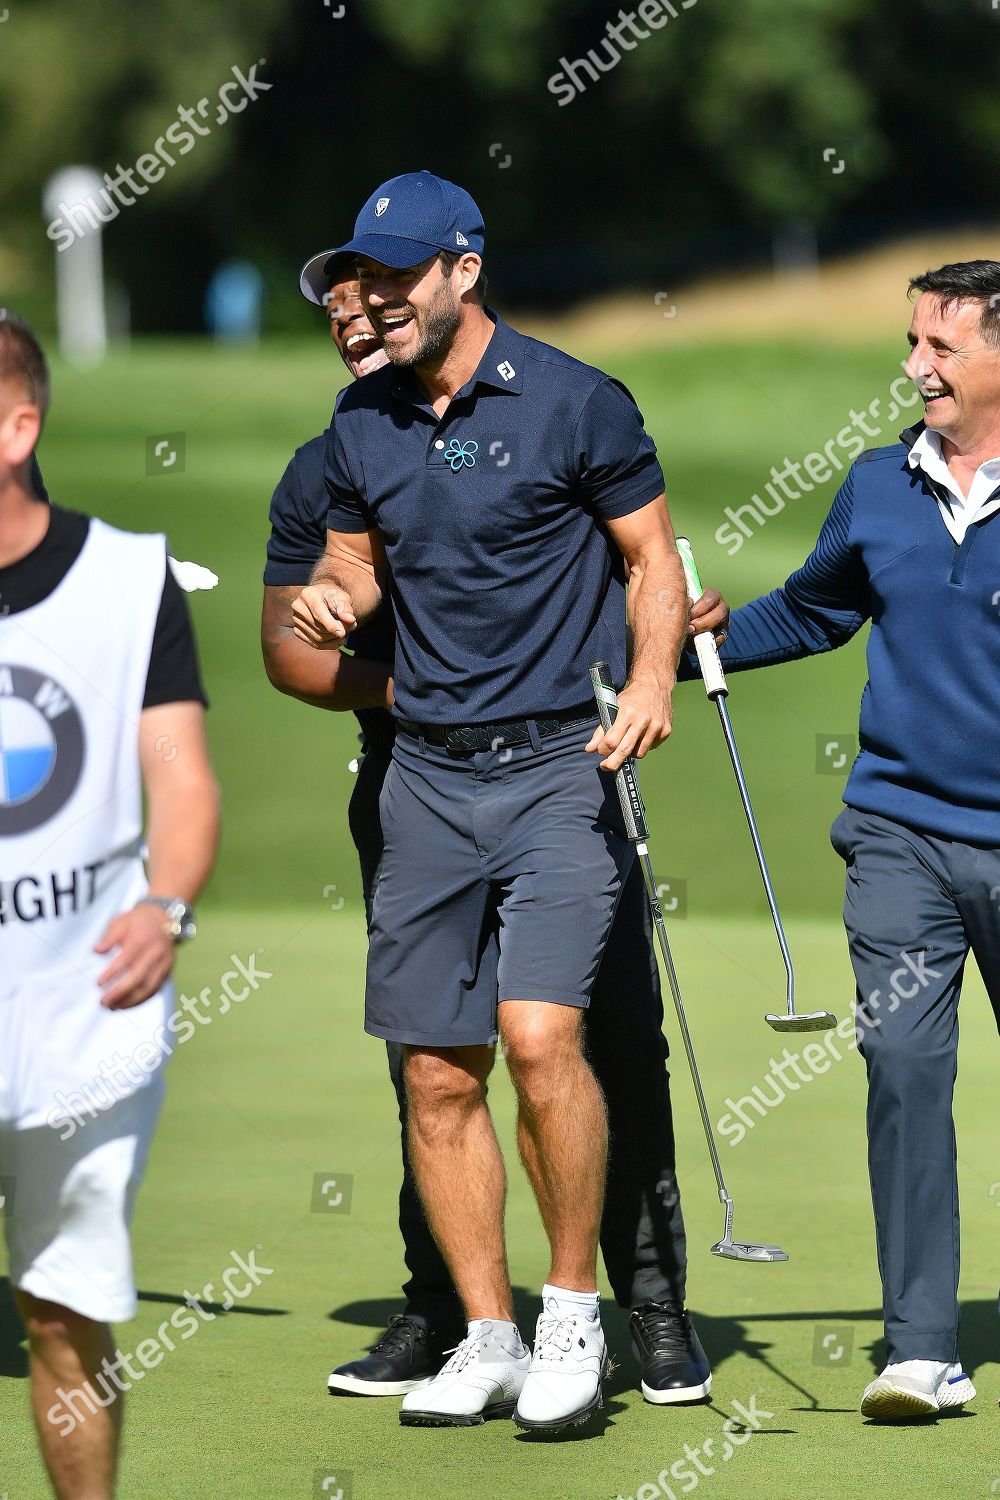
(503, 494)
(642, 1228)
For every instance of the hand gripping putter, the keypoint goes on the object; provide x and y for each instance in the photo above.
(634, 813)
(718, 689)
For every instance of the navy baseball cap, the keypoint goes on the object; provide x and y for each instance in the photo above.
(410, 218)
(319, 272)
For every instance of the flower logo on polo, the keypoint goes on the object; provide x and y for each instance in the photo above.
(459, 454)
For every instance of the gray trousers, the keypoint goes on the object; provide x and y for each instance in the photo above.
(915, 907)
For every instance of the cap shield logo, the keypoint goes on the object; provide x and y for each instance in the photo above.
(380, 207)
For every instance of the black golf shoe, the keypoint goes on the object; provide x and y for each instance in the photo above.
(674, 1366)
(406, 1357)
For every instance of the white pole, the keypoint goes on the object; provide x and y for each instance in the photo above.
(72, 197)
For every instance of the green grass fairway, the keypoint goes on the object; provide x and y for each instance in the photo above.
(286, 1086)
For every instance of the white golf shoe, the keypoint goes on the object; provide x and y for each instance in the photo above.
(482, 1379)
(916, 1388)
(565, 1382)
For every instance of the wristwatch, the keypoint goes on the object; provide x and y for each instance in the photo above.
(181, 922)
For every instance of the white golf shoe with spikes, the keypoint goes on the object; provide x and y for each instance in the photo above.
(565, 1382)
(482, 1380)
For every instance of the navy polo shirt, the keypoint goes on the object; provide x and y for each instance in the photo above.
(298, 539)
(504, 582)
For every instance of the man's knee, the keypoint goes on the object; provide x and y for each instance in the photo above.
(540, 1042)
(441, 1080)
(910, 1061)
(50, 1326)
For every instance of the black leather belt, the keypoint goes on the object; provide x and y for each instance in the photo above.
(468, 739)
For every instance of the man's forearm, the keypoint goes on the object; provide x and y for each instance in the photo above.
(354, 579)
(324, 679)
(182, 838)
(657, 617)
(331, 679)
(821, 606)
(768, 631)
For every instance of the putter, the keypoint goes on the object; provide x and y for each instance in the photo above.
(634, 813)
(718, 689)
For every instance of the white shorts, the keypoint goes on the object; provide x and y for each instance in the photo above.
(69, 1206)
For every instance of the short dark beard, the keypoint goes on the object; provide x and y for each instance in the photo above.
(435, 331)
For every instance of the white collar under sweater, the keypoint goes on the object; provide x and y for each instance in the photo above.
(960, 512)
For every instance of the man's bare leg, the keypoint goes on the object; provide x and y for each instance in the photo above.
(562, 1132)
(67, 1351)
(460, 1172)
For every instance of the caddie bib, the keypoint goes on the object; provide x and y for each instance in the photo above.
(72, 679)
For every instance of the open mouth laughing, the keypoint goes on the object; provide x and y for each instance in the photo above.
(395, 324)
(364, 353)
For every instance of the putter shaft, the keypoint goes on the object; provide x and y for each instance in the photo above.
(634, 813)
(642, 853)
(734, 756)
(717, 689)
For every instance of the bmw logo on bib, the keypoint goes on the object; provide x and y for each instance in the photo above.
(41, 749)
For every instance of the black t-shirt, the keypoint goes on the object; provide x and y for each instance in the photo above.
(37, 482)
(298, 512)
(173, 675)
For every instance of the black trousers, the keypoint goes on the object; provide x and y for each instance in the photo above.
(642, 1231)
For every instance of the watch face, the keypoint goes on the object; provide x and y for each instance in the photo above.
(180, 920)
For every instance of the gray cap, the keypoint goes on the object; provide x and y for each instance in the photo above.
(318, 273)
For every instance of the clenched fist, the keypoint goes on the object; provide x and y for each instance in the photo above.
(323, 616)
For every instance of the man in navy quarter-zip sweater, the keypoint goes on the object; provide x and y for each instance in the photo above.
(912, 544)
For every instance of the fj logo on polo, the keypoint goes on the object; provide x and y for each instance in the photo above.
(380, 207)
(506, 370)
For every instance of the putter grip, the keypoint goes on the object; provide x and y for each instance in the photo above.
(704, 642)
(626, 779)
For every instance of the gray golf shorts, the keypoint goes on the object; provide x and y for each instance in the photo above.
(499, 881)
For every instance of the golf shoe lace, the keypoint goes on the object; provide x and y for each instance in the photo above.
(664, 1327)
(402, 1333)
(554, 1336)
(464, 1352)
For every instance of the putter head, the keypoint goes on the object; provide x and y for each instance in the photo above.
(740, 1250)
(813, 1020)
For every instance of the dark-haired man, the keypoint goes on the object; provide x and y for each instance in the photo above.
(912, 545)
(87, 933)
(504, 851)
(642, 1232)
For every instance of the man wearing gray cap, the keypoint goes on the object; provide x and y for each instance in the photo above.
(503, 494)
